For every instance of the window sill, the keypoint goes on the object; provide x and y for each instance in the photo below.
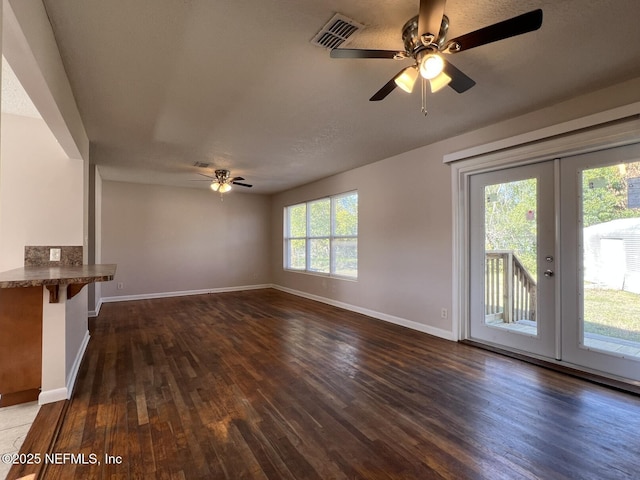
(323, 275)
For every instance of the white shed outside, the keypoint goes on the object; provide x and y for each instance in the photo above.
(612, 254)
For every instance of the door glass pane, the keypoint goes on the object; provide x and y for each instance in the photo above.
(511, 256)
(610, 223)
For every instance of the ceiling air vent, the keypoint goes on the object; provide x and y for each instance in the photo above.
(336, 32)
(202, 165)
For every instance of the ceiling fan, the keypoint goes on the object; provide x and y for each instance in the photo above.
(424, 38)
(222, 181)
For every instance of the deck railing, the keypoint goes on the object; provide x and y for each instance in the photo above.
(510, 290)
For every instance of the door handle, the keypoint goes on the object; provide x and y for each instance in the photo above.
(548, 273)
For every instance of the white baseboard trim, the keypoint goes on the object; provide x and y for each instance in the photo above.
(50, 396)
(436, 332)
(96, 312)
(181, 293)
(73, 374)
(57, 394)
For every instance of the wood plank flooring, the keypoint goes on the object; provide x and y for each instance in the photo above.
(39, 440)
(265, 385)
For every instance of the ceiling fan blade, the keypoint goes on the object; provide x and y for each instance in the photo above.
(212, 178)
(233, 179)
(242, 184)
(387, 89)
(527, 22)
(357, 53)
(459, 81)
(430, 18)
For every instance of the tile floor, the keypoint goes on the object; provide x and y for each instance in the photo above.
(15, 422)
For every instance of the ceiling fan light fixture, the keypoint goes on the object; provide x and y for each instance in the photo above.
(215, 186)
(224, 188)
(439, 82)
(431, 65)
(407, 79)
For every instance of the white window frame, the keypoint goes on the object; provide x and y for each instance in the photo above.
(332, 237)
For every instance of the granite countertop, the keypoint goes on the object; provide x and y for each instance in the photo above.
(66, 275)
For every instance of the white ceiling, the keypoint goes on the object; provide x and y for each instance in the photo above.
(161, 84)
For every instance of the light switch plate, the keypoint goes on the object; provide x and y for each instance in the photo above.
(54, 254)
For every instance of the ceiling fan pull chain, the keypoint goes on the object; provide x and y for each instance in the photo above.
(424, 97)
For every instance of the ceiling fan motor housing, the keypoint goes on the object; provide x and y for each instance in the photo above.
(222, 175)
(411, 38)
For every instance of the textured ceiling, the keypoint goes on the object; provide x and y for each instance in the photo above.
(161, 84)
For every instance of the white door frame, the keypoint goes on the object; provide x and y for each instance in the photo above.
(608, 129)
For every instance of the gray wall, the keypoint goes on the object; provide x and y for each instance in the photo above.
(169, 239)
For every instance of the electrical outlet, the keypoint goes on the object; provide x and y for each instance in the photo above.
(444, 313)
(54, 254)
(120, 285)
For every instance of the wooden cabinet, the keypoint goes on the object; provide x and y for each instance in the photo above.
(20, 344)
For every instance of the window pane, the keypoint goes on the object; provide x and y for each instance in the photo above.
(297, 254)
(345, 255)
(320, 218)
(298, 220)
(319, 255)
(346, 215)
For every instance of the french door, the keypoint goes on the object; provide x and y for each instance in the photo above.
(601, 261)
(554, 260)
(512, 259)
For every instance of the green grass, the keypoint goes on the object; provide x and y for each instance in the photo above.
(613, 313)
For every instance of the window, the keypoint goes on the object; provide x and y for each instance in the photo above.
(321, 236)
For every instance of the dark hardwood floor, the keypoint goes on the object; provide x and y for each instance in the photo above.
(263, 384)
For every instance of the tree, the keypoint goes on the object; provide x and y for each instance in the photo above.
(605, 193)
(510, 220)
